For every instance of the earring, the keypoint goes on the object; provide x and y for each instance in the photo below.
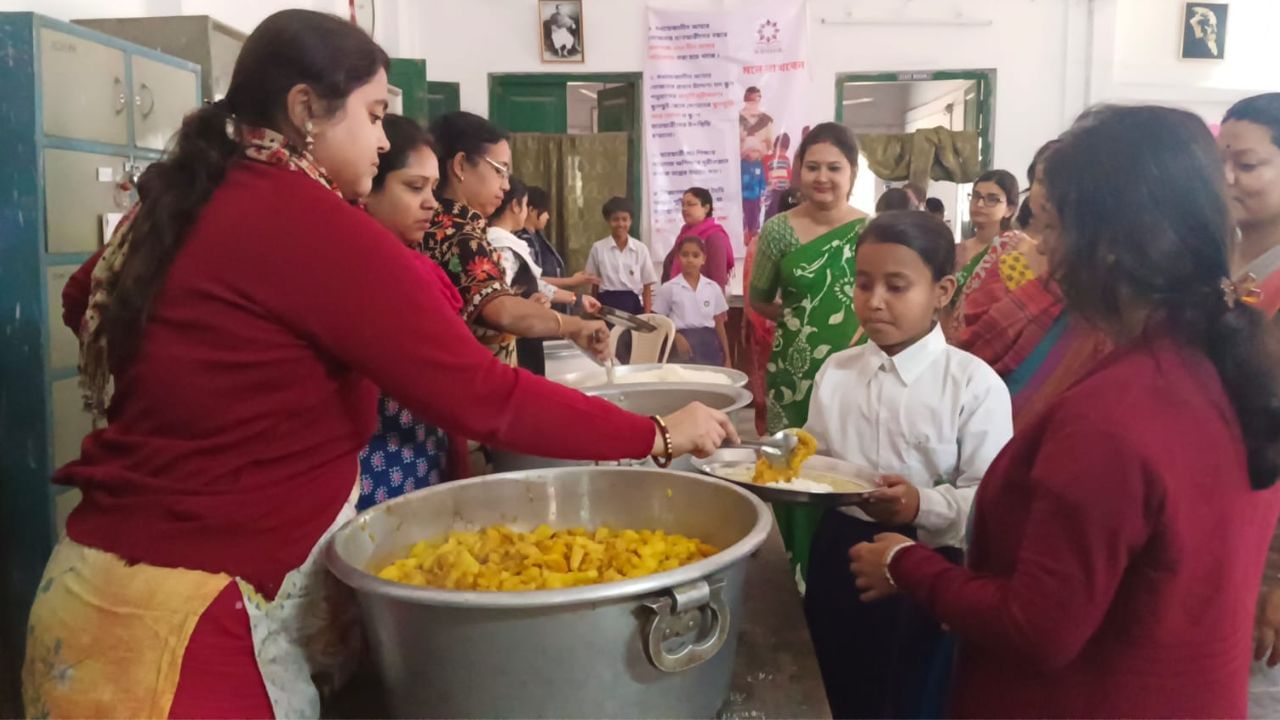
(310, 141)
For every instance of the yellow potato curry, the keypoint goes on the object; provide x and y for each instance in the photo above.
(498, 558)
(806, 447)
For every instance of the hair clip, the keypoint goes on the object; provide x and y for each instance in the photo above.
(1242, 290)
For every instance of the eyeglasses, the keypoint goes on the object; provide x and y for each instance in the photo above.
(986, 200)
(503, 171)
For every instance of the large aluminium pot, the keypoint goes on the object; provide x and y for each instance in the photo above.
(644, 399)
(660, 646)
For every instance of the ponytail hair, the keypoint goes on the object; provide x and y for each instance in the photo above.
(1141, 241)
(291, 47)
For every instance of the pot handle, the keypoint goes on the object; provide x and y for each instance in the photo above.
(688, 627)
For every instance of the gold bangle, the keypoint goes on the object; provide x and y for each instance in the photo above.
(663, 460)
(559, 325)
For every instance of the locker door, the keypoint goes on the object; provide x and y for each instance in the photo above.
(80, 188)
(64, 348)
(162, 96)
(83, 90)
(70, 421)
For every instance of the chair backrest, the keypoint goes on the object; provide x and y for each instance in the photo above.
(654, 347)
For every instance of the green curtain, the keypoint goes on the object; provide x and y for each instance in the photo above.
(924, 155)
(580, 173)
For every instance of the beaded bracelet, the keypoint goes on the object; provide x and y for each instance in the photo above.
(663, 460)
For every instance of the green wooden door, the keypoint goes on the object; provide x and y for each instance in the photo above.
(411, 77)
(616, 111)
(529, 103)
(442, 97)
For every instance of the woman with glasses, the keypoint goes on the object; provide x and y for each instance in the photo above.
(992, 206)
(475, 174)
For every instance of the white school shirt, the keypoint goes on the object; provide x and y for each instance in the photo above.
(933, 414)
(629, 269)
(689, 308)
(507, 246)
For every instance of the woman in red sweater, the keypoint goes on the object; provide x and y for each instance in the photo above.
(234, 334)
(1118, 541)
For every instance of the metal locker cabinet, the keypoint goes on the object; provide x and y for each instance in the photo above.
(69, 138)
(212, 45)
(79, 188)
(82, 87)
(162, 97)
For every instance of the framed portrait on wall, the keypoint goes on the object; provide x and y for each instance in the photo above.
(560, 35)
(1204, 31)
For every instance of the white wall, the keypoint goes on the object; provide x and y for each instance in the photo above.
(391, 31)
(1136, 47)
(1052, 57)
(1026, 42)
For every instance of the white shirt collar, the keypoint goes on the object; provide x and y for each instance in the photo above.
(680, 280)
(614, 243)
(912, 361)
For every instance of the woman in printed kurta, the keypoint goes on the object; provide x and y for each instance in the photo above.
(802, 278)
(404, 453)
(475, 172)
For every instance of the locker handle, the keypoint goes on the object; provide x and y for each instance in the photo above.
(121, 100)
(144, 90)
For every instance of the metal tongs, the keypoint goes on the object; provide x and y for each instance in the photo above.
(776, 449)
(621, 319)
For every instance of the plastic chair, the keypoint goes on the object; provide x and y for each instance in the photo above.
(653, 347)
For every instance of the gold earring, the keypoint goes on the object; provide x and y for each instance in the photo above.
(310, 141)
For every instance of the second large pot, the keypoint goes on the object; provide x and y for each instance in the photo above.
(646, 399)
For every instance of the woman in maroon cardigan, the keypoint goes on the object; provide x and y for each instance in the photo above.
(235, 334)
(1117, 543)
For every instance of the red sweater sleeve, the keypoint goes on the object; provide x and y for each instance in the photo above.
(354, 291)
(1085, 524)
(75, 295)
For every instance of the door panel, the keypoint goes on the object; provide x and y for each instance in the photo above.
(83, 89)
(79, 188)
(442, 97)
(71, 423)
(616, 112)
(519, 104)
(411, 77)
(64, 348)
(617, 109)
(163, 95)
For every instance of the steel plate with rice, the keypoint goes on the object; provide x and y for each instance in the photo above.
(842, 483)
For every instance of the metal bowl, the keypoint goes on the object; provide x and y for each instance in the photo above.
(656, 646)
(594, 377)
(642, 399)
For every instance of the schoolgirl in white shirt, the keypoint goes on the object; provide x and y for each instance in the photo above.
(697, 307)
(927, 418)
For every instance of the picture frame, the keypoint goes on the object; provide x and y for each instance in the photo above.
(560, 31)
(1204, 31)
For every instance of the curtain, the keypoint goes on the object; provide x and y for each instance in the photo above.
(924, 155)
(579, 173)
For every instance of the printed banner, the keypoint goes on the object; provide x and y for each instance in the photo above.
(725, 102)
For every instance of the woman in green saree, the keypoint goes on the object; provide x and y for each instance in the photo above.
(802, 279)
